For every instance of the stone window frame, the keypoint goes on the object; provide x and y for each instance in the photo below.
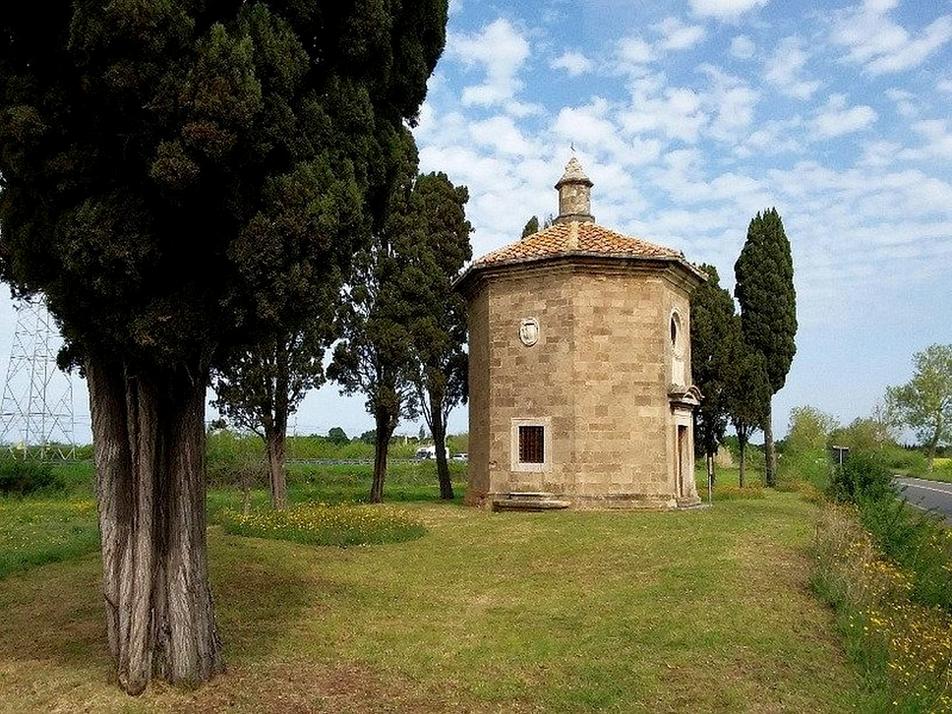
(677, 344)
(515, 463)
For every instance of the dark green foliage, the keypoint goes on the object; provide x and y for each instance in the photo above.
(712, 323)
(180, 179)
(862, 477)
(374, 354)
(369, 437)
(20, 477)
(768, 302)
(746, 390)
(435, 246)
(336, 435)
(531, 227)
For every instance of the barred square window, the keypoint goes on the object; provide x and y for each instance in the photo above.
(531, 444)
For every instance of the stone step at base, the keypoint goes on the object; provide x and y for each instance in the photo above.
(529, 501)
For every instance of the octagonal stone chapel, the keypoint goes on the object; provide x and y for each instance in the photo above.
(580, 391)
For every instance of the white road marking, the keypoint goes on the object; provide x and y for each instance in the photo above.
(928, 488)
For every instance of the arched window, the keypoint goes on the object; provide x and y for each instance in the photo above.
(677, 341)
(676, 332)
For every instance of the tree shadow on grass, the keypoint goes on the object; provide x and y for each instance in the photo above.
(54, 614)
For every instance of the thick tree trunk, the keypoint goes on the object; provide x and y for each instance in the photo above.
(385, 426)
(438, 427)
(742, 443)
(274, 442)
(770, 453)
(149, 438)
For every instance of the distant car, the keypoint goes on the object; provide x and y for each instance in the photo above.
(460, 457)
(426, 452)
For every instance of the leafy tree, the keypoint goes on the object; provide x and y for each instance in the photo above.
(768, 304)
(338, 436)
(809, 429)
(177, 179)
(746, 392)
(712, 327)
(532, 226)
(863, 434)
(261, 387)
(924, 404)
(369, 437)
(436, 249)
(374, 354)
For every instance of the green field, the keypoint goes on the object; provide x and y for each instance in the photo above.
(661, 612)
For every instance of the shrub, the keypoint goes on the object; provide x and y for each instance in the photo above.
(326, 525)
(863, 476)
(25, 477)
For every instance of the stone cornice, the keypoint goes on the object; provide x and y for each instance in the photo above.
(676, 271)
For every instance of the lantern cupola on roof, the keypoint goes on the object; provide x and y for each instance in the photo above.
(575, 194)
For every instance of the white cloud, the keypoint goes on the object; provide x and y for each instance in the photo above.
(874, 40)
(775, 136)
(837, 119)
(574, 63)
(635, 51)
(732, 101)
(502, 135)
(784, 69)
(724, 9)
(675, 35)
(904, 102)
(742, 47)
(500, 50)
(675, 112)
(945, 85)
(938, 136)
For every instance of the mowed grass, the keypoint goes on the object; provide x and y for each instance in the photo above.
(629, 612)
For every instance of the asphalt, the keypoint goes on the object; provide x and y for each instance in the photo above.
(928, 495)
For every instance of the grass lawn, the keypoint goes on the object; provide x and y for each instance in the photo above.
(656, 612)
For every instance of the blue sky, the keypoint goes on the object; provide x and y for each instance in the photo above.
(690, 116)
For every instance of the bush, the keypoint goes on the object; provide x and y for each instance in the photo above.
(25, 477)
(326, 525)
(803, 465)
(863, 476)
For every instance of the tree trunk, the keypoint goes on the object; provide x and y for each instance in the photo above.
(770, 453)
(149, 437)
(385, 427)
(274, 441)
(438, 427)
(742, 444)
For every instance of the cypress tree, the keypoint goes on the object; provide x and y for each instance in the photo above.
(180, 180)
(768, 303)
(712, 316)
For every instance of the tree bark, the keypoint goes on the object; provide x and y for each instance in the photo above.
(438, 427)
(149, 436)
(274, 442)
(770, 453)
(742, 444)
(385, 426)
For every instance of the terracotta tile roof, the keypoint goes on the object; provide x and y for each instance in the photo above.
(576, 238)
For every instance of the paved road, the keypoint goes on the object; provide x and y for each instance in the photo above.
(929, 495)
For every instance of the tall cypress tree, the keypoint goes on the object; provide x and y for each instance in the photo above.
(180, 179)
(712, 319)
(768, 303)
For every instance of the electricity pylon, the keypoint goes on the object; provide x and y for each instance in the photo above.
(36, 414)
